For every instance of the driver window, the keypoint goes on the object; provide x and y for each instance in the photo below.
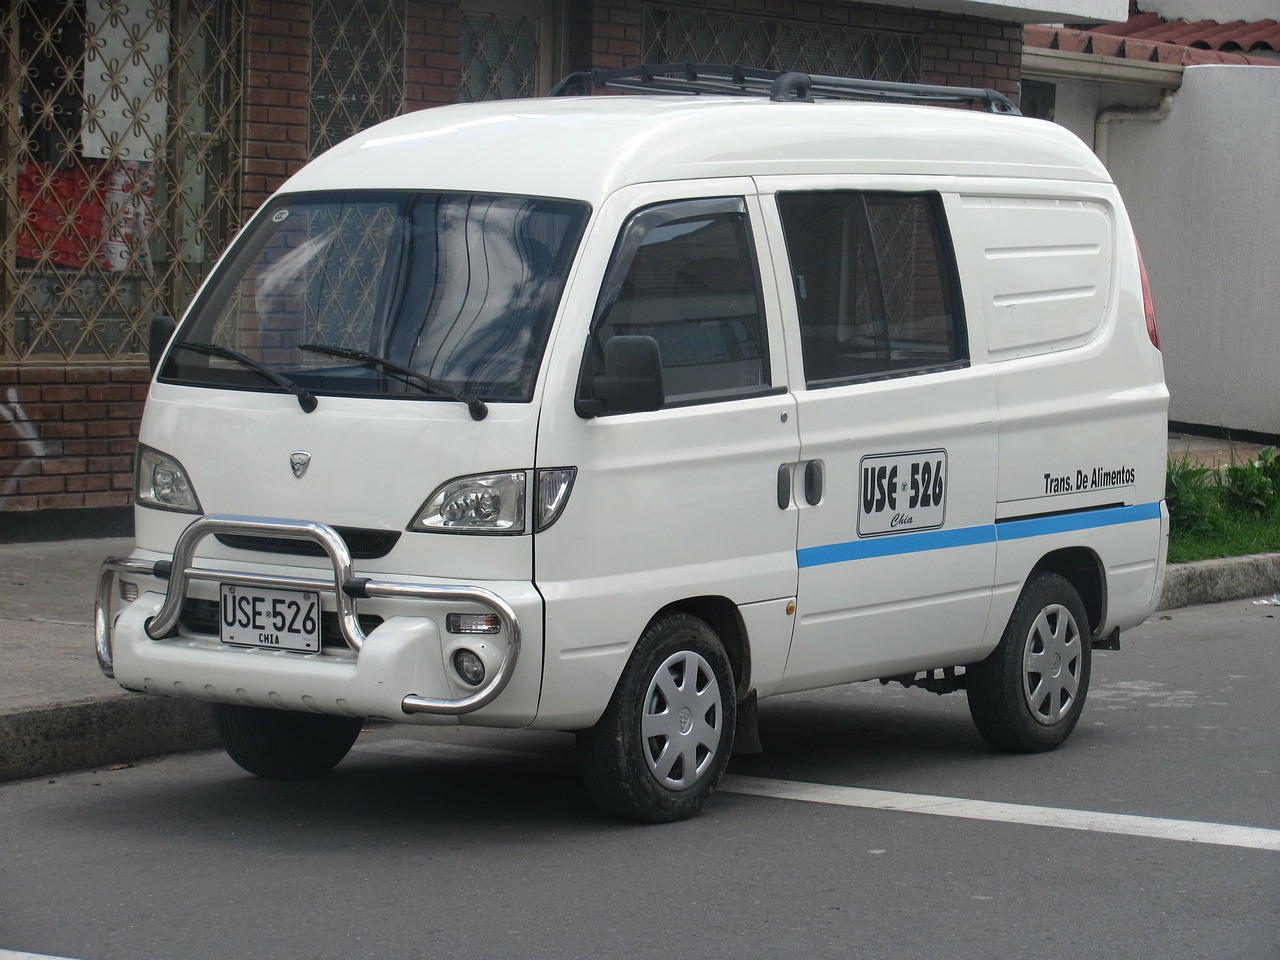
(685, 274)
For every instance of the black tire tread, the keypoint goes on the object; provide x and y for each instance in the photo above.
(282, 744)
(612, 766)
(994, 686)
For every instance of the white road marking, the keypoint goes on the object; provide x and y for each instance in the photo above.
(10, 955)
(1187, 831)
(1159, 828)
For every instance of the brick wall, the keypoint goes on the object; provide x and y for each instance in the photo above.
(278, 71)
(67, 439)
(604, 36)
(68, 433)
(962, 51)
(432, 34)
(277, 77)
(977, 53)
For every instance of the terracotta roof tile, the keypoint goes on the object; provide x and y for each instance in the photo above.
(1205, 34)
(1149, 37)
(1105, 46)
(1142, 49)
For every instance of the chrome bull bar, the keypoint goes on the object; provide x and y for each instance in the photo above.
(344, 585)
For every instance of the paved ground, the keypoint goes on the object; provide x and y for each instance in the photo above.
(1211, 452)
(58, 712)
(876, 823)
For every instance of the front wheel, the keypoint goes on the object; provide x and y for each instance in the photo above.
(283, 744)
(1027, 695)
(663, 743)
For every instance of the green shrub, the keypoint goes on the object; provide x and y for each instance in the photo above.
(1225, 512)
(1248, 487)
(1192, 496)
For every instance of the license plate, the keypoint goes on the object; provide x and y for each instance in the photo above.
(276, 619)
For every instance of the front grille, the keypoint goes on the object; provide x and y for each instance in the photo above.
(201, 616)
(362, 544)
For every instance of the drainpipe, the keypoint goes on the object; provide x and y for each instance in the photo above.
(1152, 114)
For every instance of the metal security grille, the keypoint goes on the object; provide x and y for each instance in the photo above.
(357, 68)
(120, 167)
(501, 56)
(340, 309)
(911, 285)
(676, 34)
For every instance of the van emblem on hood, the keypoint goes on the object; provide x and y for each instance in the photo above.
(299, 460)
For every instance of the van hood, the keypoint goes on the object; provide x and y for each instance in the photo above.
(361, 463)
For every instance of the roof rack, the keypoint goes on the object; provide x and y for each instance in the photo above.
(777, 85)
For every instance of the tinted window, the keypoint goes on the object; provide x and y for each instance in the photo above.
(875, 284)
(685, 275)
(461, 288)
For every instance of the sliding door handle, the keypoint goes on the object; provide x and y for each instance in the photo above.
(814, 479)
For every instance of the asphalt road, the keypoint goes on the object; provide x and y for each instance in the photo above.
(443, 842)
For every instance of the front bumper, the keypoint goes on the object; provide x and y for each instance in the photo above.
(143, 648)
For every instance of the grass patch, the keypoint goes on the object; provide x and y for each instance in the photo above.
(1228, 512)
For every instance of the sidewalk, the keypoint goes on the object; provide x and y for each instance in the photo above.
(58, 712)
(1211, 452)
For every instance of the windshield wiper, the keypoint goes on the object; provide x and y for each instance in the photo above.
(306, 399)
(475, 405)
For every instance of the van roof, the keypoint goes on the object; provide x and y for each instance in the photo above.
(585, 148)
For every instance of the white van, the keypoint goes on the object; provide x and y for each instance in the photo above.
(613, 414)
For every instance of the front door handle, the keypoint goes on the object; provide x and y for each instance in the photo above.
(814, 479)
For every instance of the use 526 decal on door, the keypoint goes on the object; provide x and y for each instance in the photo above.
(901, 492)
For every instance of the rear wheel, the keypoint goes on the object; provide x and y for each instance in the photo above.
(1028, 694)
(283, 744)
(663, 743)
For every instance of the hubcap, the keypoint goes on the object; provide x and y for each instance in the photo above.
(682, 720)
(1051, 665)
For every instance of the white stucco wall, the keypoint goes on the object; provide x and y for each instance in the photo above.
(1203, 191)
(1076, 106)
(1028, 11)
(1249, 10)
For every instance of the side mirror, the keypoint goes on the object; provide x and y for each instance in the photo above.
(161, 332)
(632, 378)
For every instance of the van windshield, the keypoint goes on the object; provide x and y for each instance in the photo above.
(460, 289)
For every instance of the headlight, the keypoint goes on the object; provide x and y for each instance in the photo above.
(489, 503)
(160, 482)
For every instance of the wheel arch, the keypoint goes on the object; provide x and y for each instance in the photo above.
(1082, 568)
(722, 616)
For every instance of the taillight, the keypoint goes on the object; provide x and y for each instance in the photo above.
(1147, 306)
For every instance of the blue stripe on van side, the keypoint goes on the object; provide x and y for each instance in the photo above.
(1070, 522)
(971, 536)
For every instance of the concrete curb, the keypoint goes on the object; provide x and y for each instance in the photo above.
(99, 732)
(120, 727)
(1216, 581)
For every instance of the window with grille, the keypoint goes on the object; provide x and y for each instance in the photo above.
(120, 167)
(508, 50)
(673, 33)
(357, 68)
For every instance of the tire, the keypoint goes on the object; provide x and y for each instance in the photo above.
(663, 742)
(283, 744)
(1027, 695)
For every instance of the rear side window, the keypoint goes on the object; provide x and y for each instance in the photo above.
(684, 273)
(875, 285)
